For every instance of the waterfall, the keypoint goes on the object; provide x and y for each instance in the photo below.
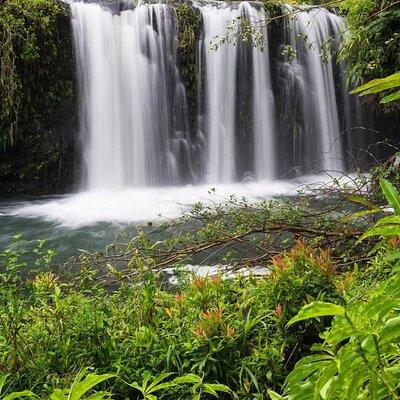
(220, 91)
(311, 32)
(220, 47)
(263, 99)
(129, 85)
(261, 113)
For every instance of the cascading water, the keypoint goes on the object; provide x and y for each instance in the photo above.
(220, 95)
(315, 26)
(263, 99)
(261, 113)
(221, 52)
(133, 107)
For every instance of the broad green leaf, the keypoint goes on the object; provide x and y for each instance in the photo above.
(391, 80)
(302, 391)
(19, 395)
(210, 390)
(325, 374)
(273, 395)
(391, 194)
(80, 388)
(390, 332)
(317, 309)
(58, 394)
(189, 378)
(327, 388)
(306, 367)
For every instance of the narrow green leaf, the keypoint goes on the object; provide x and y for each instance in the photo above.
(361, 214)
(390, 98)
(391, 194)
(3, 379)
(360, 200)
(165, 385)
(157, 380)
(392, 220)
(218, 387)
(384, 231)
(99, 396)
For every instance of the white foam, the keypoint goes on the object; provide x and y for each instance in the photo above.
(142, 205)
(149, 204)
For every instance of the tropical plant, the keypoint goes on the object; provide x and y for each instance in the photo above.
(387, 227)
(82, 386)
(13, 395)
(359, 358)
(360, 354)
(386, 86)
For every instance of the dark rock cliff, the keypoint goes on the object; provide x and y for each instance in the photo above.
(42, 157)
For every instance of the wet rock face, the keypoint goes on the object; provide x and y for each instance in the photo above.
(43, 159)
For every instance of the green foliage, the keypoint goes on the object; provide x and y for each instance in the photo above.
(211, 336)
(31, 82)
(360, 357)
(315, 310)
(360, 354)
(371, 45)
(382, 85)
(227, 332)
(81, 387)
(387, 227)
(189, 22)
(84, 383)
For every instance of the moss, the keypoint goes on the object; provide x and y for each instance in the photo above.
(32, 63)
(37, 97)
(189, 22)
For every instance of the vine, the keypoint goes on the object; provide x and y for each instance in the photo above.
(29, 44)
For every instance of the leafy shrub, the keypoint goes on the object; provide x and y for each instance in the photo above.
(360, 356)
(230, 331)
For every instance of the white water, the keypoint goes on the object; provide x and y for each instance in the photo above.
(123, 74)
(315, 26)
(134, 112)
(221, 23)
(151, 204)
(139, 205)
(263, 102)
(220, 89)
(134, 123)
